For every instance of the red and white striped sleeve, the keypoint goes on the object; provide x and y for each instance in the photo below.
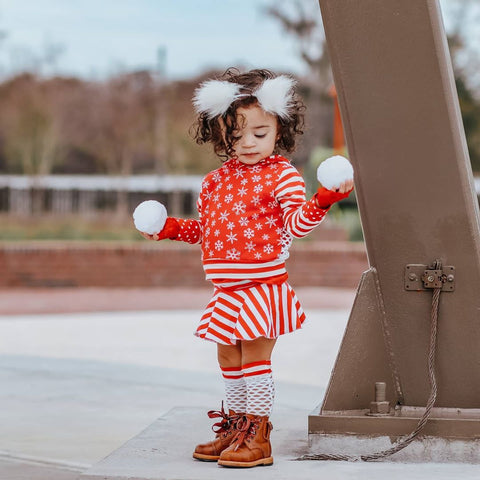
(300, 216)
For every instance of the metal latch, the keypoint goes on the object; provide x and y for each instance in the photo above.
(424, 277)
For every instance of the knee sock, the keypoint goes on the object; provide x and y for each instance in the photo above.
(235, 389)
(260, 387)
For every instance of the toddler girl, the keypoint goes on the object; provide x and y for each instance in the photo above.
(249, 210)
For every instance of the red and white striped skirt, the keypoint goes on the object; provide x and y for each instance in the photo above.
(261, 310)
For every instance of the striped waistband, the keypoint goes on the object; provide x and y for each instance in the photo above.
(254, 272)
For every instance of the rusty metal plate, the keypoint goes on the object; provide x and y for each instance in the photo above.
(415, 275)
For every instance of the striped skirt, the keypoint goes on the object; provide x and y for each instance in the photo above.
(261, 310)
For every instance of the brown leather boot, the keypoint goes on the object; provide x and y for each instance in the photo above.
(225, 431)
(251, 446)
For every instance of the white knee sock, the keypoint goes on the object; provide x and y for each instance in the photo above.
(260, 387)
(235, 389)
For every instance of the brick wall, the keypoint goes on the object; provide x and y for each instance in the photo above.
(70, 264)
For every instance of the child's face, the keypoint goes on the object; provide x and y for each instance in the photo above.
(256, 135)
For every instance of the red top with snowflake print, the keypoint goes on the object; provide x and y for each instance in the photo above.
(248, 216)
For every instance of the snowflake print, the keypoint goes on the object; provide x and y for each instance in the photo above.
(268, 249)
(216, 233)
(258, 188)
(211, 253)
(278, 230)
(256, 169)
(244, 182)
(227, 178)
(272, 204)
(268, 175)
(258, 226)
(205, 185)
(219, 204)
(256, 200)
(216, 197)
(256, 178)
(255, 216)
(233, 254)
(232, 237)
(242, 191)
(239, 207)
(213, 213)
(207, 244)
(229, 186)
(249, 233)
(218, 245)
(250, 246)
(224, 216)
(229, 198)
(243, 221)
(258, 256)
(238, 173)
(216, 177)
(207, 232)
(271, 221)
(268, 183)
(213, 222)
(208, 195)
(263, 209)
(230, 225)
(265, 236)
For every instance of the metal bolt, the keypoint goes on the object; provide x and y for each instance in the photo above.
(430, 278)
(380, 391)
(412, 277)
(450, 278)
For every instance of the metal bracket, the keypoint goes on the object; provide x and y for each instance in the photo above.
(425, 277)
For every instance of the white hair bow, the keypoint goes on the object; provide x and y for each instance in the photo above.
(275, 96)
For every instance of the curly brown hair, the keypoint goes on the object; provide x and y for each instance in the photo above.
(208, 129)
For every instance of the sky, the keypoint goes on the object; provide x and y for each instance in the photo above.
(96, 38)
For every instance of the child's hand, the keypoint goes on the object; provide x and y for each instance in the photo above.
(149, 237)
(344, 187)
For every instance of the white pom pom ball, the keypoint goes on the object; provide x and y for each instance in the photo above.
(150, 217)
(333, 171)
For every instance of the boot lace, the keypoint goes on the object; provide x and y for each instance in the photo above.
(246, 429)
(227, 421)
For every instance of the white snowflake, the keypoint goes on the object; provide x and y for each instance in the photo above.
(258, 256)
(207, 231)
(250, 246)
(243, 221)
(244, 181)
(256, 168)
(216, 177)
(268, 175)
(268, 183)
(256, 200)
(216, 197)
(268, 249)
(207, 244)
(256, 178)
(230, 225)
(216, 233)
(224, 216)
(255, 216)
(233, 254)
(272, 204)
(263, 209)
(229, 198)
(211, 253)
(249, 233)
(258, 226)
(219, 186)
(238, 173)
(205, 185)
(213, 222)
(227, 178)
(213, 213)
(271, 221)
(208, 195)
(232, 237)
(278, 230)
(242, 191)
(218, 245)
(258, 188)
(265, 236)
(219, 205)
(229, 186)
(239, 207)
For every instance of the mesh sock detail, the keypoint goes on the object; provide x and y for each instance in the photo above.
(260, 387)
(235, 389)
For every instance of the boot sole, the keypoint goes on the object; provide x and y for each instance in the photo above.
(263, 462)
(206, 458)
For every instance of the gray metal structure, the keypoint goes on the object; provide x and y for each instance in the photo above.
(417, 203)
